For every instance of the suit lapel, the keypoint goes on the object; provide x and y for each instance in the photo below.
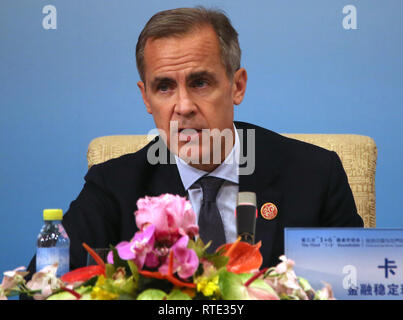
(165, 176)
(168, 180)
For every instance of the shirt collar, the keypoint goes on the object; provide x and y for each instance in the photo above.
(227, 170)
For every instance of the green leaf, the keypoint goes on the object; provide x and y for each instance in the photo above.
(304, 284)
(118, 262)
(152, 294)
(178, 295)
(124, 287)
(129, 285)
(109, 270)
(197, 246)
(133, 269)
(218, 261)
(232, 286)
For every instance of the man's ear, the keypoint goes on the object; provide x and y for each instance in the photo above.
(239, 85)
(142, 88)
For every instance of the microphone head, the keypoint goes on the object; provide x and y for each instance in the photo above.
(246, 198)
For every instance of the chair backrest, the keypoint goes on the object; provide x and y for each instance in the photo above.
(357, 153)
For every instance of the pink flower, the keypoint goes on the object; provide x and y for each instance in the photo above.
(286, 282)
(46, 281)
(186, 261)
(11, 281)
(13, 278)
(285, 266)
(171, 215)
(139, 249)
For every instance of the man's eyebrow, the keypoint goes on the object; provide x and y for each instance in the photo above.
(190, 77)
(200, 74)
(158, 80)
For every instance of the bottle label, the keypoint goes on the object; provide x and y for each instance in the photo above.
(48, 256)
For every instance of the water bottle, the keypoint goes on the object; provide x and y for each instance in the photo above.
(53, 243)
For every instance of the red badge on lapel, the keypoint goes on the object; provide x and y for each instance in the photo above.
(269, 211)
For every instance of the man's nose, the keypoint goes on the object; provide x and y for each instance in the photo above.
(184, 103)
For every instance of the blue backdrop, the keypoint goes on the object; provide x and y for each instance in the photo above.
(68, 76)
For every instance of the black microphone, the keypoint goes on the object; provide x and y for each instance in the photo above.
(246, 216)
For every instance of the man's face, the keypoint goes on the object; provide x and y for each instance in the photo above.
(186, 82)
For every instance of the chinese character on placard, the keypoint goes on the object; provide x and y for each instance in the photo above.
(388, 266)
(352, 291)
(393, 290)
(366, 289)
(379, 289)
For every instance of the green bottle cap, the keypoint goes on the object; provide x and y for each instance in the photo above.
(52, 214)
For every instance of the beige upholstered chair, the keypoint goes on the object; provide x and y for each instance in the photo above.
(357, 153)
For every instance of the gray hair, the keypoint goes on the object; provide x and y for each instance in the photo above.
(177, 22)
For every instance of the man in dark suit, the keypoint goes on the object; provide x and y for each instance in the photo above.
(189, 64)
(307, 184)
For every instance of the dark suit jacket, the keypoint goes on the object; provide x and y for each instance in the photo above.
(306, 183)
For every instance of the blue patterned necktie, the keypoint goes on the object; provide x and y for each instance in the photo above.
(210, 224)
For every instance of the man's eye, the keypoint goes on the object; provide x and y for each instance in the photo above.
(163, 87)
(200, 83)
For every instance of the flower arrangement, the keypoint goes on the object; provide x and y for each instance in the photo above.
(164, 262)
